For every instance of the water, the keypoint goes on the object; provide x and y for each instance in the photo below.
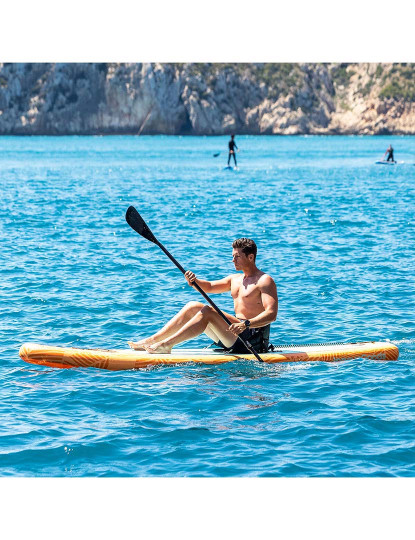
(336, 232)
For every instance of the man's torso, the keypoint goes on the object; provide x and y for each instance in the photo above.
(246, 294)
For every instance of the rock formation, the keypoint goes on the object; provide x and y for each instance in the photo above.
(207, 99)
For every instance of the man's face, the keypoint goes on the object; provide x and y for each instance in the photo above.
(239, 259)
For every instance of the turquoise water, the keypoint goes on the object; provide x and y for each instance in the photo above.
(337, 233)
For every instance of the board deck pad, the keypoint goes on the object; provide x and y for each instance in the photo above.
(120, 359)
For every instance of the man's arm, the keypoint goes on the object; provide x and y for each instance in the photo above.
(269, 299)
(212, 287)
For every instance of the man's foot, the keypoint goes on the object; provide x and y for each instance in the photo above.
(139, 345)
(160, 348)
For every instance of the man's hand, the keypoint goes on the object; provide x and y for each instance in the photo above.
(190, 277)
(237, 328)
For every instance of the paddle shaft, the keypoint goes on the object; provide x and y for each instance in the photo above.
(202, 292)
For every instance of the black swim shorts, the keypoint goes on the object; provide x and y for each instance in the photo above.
(257, 337)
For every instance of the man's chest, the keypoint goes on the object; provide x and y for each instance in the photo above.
(245, 291)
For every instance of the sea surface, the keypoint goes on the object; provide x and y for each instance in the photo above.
(336, 232)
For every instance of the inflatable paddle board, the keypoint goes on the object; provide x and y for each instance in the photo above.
(68, 357)
(386, 162)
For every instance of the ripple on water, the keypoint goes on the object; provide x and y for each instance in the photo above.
(339, 241)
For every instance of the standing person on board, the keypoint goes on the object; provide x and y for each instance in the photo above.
(232, 146)
(255, 300)
(389, 151)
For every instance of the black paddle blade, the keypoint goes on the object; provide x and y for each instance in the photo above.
(136, 222)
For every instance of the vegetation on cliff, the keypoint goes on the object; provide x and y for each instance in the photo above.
(207, 98)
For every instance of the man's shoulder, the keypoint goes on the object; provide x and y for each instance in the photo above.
(236, 278)
(265, 279)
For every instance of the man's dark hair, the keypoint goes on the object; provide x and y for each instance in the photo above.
(248, 246)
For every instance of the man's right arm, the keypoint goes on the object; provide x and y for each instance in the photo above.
(212, 287)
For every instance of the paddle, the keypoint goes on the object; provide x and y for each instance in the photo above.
(136, 222)
(216, 155)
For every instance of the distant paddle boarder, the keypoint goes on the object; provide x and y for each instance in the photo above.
(389, 151)
(255, 300)
(232, 146)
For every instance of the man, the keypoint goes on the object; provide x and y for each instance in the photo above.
(389, 151)
(232, 146)
(255, 303)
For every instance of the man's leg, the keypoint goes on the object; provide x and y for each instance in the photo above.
(234, 158)
(206, 320)
(179, 320)
(229, 158)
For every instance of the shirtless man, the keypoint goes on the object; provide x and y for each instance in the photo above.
(255, 302)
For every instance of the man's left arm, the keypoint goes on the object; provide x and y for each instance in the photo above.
(269, 299)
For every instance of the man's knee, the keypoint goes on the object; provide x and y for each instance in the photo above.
(207, 311)
(194, 306)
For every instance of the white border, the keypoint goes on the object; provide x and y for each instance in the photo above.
(207, 508)
(208, 31)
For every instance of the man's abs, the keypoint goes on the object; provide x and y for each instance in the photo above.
(248, 306)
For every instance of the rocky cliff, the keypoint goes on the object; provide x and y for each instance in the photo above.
(58, 99)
